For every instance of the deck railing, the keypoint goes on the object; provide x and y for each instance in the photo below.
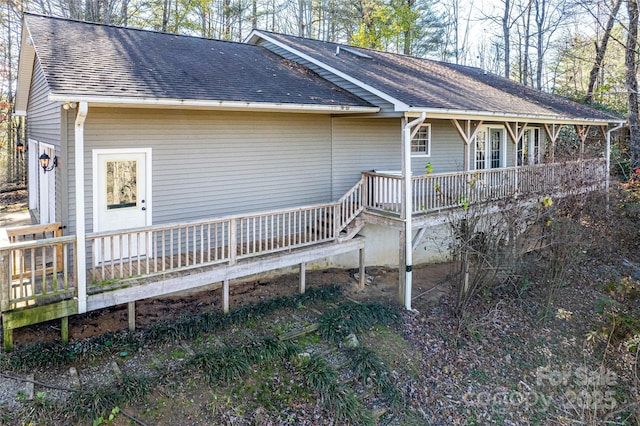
(35, 270)
(436, 192)
(43, 266)
(350, 205)
(120, 255)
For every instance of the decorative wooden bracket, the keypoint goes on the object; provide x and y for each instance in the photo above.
(515, 131)
(552, 131)
(470, 130)
(468, 133)
(603, 131)
(582, 131)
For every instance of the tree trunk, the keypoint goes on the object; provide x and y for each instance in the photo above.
(601, 49)
(301, 18)
(541, 10)
(527, 36)
(166, 11)
(226, 10)
(254, 14)
(12, 153)
(505, 34)
(632, 84)
(408, 33)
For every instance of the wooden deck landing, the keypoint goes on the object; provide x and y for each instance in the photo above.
(115, 292)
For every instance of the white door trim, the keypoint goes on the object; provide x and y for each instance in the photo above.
(148, 181)
(33, 184)
(46, 186)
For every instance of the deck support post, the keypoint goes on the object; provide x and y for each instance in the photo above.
(363, 278)
(131, 316)
(5, 278)
(7, 337)
(64, 329)
(401, 272)
(5, 291)
(303, 277)
(225, 296)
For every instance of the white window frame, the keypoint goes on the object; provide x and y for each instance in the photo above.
(416, 138)
(486, 131)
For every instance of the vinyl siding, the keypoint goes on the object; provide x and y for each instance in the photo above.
(361, 144)
(209, 164)
(43, 122)
(447, 150)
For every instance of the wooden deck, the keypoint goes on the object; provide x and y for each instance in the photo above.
(38, 268)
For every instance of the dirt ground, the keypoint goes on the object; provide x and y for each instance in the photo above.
(14, 209)
(429, 285)
(515, 342)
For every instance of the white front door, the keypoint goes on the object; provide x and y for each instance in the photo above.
(122, 200)
(489, 148)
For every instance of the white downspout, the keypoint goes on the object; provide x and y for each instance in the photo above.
(81, 255)
(608, 162)
(408, 207)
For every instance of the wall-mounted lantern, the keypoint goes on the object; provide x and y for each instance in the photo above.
(46, 163)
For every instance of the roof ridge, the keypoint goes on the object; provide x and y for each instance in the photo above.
(370, 49)
(120, 27)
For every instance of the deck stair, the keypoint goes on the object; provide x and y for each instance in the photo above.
(352, 229)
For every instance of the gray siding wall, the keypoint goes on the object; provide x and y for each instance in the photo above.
(43, 122)
(210, 164)
(215, 163)
(361, 144)
(447, 150)
(44, 125)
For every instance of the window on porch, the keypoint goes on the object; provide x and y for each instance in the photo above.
(421, 141)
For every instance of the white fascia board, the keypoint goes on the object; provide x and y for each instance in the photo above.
(498, 116)
(397, 104)
(133, 102)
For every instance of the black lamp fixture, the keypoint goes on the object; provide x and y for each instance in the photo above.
(20, 147)
(46, 163)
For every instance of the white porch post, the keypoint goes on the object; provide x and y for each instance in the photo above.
(407, 265)
(81, 255)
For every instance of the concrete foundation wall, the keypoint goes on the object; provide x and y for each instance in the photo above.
(382, 248)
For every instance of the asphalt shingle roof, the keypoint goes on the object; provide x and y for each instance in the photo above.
(89, 59)
(424, 83)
